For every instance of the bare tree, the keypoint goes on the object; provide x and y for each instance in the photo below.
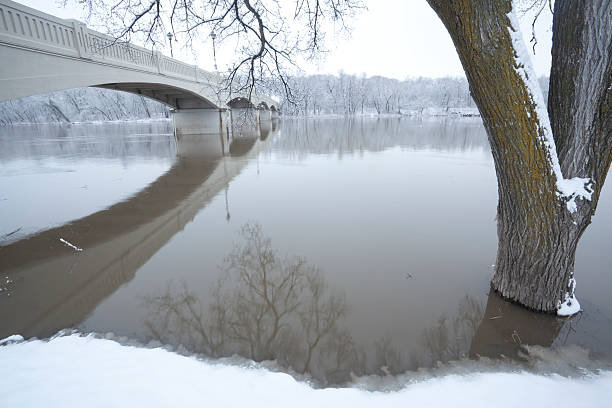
(269, 33)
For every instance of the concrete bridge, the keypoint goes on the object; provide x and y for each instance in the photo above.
(41, 53)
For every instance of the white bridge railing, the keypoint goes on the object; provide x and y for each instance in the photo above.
(25, 27)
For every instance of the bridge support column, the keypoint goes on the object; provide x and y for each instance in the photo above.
(265, 114)
(244, 122)
(199, 129)
(199, 121)
(265, 123)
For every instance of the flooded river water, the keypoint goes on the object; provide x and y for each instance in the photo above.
(336, 247)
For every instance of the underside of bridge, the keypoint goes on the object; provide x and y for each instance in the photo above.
(171, 96)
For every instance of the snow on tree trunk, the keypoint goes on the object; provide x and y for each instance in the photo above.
(541, 213)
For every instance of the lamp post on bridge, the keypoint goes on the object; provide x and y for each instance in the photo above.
(170, 36)
(213, 36)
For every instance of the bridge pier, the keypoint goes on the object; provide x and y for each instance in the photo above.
(217, 130)
(265, 126)
(244, 122)
(201, 131)
(199, 121)
(201, 146)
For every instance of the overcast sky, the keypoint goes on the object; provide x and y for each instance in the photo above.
(393, 38)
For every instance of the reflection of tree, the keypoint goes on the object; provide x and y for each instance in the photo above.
(354, 136)
(450, 339)
(341, 357)
(501, 330)
(268, 307)
(264, 307)
(387, 358)
(180, 318)
(506, 327)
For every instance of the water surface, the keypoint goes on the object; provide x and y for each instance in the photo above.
(333, 246)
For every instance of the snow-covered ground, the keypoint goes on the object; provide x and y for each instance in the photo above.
(86, 371)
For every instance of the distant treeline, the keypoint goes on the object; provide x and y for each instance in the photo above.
(81, 105)
(351, 95)
(312, 96)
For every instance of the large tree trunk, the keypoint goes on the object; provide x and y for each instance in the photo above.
(539, 221)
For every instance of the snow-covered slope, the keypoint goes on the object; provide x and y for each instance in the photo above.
(85, 371)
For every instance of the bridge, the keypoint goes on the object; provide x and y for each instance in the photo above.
(41, 53)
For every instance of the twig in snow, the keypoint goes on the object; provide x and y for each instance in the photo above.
(516, 337)
(76, 248)
(12, 232)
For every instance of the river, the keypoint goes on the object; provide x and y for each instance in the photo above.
(336, 247)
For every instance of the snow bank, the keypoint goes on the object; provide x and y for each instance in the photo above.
(568, 189)
(15, 338)
(76, 371)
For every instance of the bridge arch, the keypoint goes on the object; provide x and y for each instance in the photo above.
(240, 103)
(173, 96)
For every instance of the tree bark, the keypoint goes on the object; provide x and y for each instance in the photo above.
(537, 233)
(579, 101)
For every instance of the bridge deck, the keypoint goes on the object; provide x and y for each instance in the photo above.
(42, 53)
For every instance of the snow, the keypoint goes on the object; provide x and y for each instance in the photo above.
(76, 248)
(568, 189)
(11, 339)
(570, 305)
(75, 371)
(575, 188)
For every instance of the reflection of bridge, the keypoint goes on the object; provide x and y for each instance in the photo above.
(41, 53)
(55, 287)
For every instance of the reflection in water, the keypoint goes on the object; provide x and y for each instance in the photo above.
(265, 308)
(122, 141)
(266, 126)
(241, 145)
(303, 137)
(506, 328)
(50, 287)
(381, 206)
(450, 338)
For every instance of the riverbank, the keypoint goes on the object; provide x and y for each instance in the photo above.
(423, 113)
(75, 370)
